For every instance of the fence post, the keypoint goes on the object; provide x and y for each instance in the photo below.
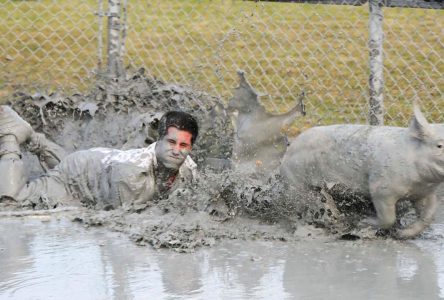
(376, 63)
(124, 28)
(100, 15)
(114, 54)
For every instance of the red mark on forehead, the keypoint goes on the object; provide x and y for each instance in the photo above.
(181, 136)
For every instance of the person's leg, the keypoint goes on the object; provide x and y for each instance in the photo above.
(13, 131)
(46, 192)
(49, 153)
(12, 168)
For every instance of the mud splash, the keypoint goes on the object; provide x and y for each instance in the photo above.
(120, 115)
(225, 203)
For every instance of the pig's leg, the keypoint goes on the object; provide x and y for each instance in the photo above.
(426, 209)
(385, 212)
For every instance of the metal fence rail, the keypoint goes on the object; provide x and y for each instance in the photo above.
(285, 48)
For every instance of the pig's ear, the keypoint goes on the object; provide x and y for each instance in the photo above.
(419, 127)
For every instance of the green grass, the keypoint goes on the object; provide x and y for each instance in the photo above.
(284, 48)
(47, 44)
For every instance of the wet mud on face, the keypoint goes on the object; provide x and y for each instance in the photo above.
(225, 203)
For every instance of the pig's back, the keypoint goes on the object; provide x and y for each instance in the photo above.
(329, 154)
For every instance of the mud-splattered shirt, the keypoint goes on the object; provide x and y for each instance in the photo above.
(106, 178)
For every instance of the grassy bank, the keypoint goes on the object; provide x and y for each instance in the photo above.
(284, 48)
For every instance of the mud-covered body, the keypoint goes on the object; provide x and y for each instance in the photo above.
(384, 163)
(258, 144)
(103, 178)
(365, 158)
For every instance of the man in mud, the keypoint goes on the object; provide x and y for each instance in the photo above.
(99, 177)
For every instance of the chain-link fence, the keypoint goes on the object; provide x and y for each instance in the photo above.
(286, 49)
(47, 44)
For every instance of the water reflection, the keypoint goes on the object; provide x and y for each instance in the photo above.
(364, 270)
(57, 259)
(14, 242)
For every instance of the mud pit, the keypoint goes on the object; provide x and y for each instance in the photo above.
(42, 257)
(224, 204)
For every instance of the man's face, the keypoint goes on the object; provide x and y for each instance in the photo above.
(173, 148)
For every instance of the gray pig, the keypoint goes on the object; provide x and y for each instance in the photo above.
(383, 163)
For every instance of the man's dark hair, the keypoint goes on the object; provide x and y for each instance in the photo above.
(181, 120)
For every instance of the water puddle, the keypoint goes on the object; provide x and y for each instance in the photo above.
(52, 258)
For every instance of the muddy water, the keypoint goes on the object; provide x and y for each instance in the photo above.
(52, 258)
